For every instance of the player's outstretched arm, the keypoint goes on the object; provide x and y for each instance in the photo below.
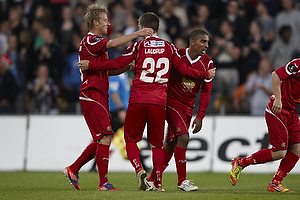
(95, 65)
(120, 41)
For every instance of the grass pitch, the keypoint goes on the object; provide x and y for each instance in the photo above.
(54, 186)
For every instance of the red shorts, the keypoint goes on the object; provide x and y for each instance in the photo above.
(178, 122)
(94, 108)
(136, 118)
(284, 128)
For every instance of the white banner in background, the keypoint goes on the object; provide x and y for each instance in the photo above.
(56, 141)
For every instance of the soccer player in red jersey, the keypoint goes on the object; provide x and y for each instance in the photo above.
(94, 94)
(180, 104)
(154, 58)
(283, 125)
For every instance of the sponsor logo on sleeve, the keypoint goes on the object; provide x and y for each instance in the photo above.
(291, 68)
(97, 39)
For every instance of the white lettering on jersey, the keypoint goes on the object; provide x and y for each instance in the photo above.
(154, 51)
(154, 43)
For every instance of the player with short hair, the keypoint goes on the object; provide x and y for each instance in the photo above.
(283, 125)
(94, 94)
(180, 105)
(154, 58)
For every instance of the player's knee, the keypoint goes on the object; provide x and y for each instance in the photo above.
(183, 140)
(106, 140)
(276, 155)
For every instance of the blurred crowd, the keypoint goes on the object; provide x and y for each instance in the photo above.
(39, 42)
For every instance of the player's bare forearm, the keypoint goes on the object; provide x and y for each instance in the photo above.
(276, 84)
(120, 41)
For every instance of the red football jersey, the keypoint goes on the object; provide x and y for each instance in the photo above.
(289, 74)
(154, 58)
(93, 48)
(183, 89)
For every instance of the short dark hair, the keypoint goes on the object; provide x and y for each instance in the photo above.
(284, 29)
(149, 20)
(195, 34)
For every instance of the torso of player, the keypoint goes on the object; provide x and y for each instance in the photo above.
(183, 89)
(290, 85)
(153, 57)
(93, 47)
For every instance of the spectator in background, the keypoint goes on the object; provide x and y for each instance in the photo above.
(258, 88)
(239, 23)
(283, 49)
(71, 77)
(44, 13)
(117, 16)
(79, 13)
(15, 20)
(181, 13)
(180, 42)
(8, 86)
(4, 32)
(267, 21)
(130, 7)
(226, 53)
(167, 13)
(202, 21)
(66, 28)
(148, 6)
(51, 54)
(29, 7)
(288, 16)
(255, 47)
(43, 92)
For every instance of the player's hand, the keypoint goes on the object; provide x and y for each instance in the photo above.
(277, 106)
(197, 125)
(145, 32)
(212, 73)
(83, 64)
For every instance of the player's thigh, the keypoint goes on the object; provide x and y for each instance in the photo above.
(294, 128)
(156, 116)
(278, 131)
(95, 111)
(135, 122)
(178, 122)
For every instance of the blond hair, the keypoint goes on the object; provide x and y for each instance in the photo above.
(93, 13)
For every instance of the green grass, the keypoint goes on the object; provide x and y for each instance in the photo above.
(54, 186)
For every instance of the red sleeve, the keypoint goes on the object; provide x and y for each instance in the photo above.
(186, 70)
(205, 94)
(204, 98)
(105, 65)
(118, 63)
(290, 69)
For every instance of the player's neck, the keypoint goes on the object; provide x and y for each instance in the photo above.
(193, 55)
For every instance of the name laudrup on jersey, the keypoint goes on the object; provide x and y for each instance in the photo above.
(153, 43)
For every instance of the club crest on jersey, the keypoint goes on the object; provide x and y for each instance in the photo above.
(283, 145)
(108, 128)
(97, 39)
(178, 130)
(154, 43)
(291, 68)
(188, 84)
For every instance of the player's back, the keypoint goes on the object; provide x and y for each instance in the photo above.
(154, 58)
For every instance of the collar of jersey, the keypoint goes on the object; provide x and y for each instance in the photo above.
(189, 58)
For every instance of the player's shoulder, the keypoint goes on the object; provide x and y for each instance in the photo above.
(92, 38)
(182, 51)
